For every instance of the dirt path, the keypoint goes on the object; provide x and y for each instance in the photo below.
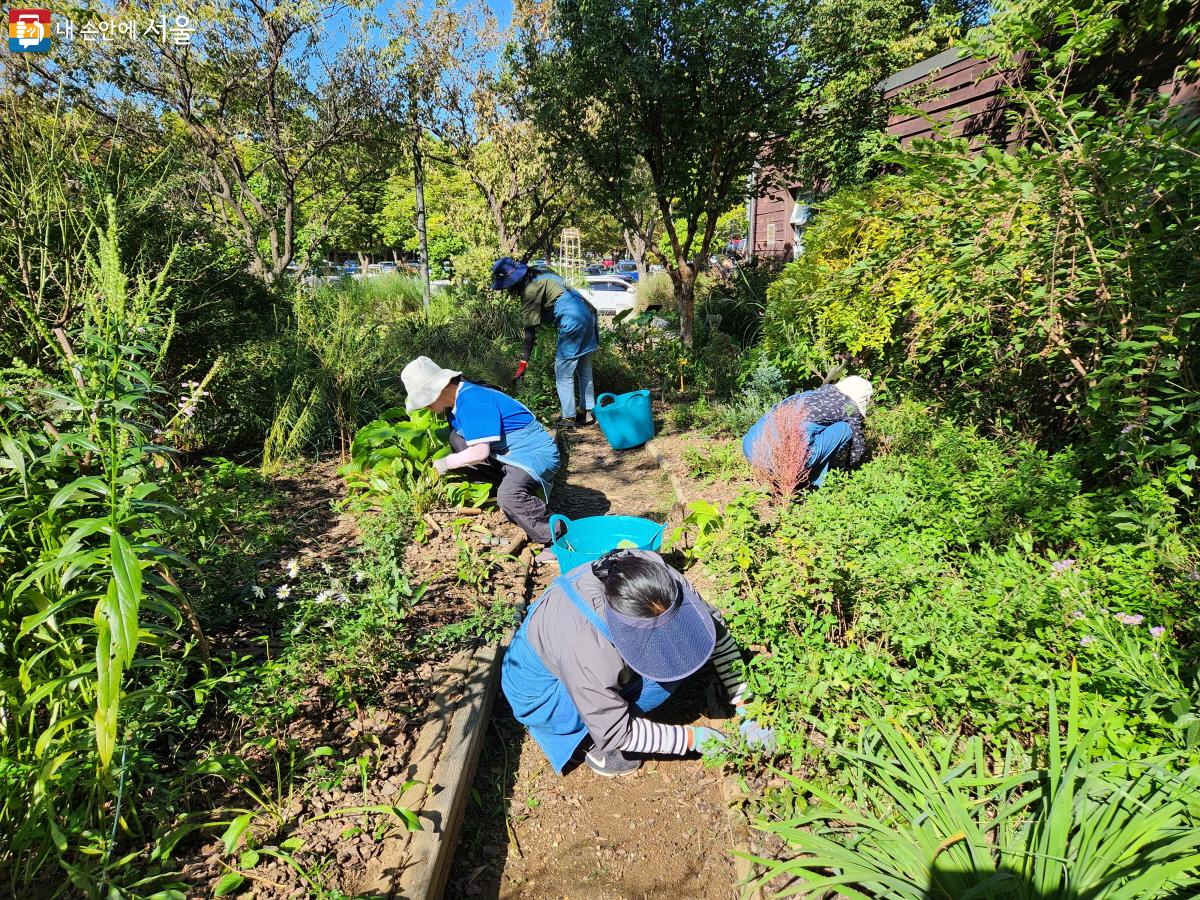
(532, 833)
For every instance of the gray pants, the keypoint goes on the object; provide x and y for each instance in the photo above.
(518, 494)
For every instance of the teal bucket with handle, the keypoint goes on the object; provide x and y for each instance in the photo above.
(586, 540)
(627, 420)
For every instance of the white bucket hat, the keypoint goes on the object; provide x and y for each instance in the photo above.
(859, 391)
(423, 381)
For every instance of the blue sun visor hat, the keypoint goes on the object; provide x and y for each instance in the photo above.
(506, 272)
(669, 646)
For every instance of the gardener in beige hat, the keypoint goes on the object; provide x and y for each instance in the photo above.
(493, 434)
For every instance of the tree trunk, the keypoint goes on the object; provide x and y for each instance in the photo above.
(683, 280)
(636, 246)
(422, 234)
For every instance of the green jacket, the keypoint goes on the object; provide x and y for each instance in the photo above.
(538, 296)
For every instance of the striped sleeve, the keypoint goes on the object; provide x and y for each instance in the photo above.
(727, 659)
(654, 737)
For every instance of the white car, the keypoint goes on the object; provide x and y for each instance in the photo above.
(610, 294)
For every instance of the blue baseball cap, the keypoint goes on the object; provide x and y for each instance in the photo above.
(506, 272)
(669, 646)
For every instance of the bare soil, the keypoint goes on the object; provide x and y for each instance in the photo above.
(467, 559)
(662, 832)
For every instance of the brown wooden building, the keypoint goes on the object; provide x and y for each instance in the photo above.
(964, 95)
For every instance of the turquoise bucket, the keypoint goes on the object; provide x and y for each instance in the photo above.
(627, 420)
(586, 540)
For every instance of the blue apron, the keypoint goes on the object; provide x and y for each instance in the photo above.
(532, 450)
(540, 701)
(578, 326)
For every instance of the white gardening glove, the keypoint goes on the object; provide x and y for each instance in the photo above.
(439, 466)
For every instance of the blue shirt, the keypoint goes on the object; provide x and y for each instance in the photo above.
(483, 414)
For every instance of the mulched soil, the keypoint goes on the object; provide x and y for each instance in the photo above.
(533, 833)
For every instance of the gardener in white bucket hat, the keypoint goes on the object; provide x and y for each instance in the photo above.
(833, 419)
(495, 435)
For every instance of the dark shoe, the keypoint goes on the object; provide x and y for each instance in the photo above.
(584, 418)
(567, 424)
(612, 764)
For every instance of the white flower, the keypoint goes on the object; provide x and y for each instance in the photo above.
(283, 592)
(293, 568)
(258, 592)
(359, 577)
(323, 597)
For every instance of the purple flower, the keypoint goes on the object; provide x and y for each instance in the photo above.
(1194, 575)
(1157, 631)
(1079, 614)
(1127, 619)
(1061, 565)
(1086, 639)
(1128, 428)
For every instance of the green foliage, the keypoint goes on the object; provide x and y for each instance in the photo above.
(936, 579)
(687, 147)
(1028, 274)
(394, 455)
(931, 823)
(347, 338)
(722, 462)
(654, 290)
(88, 602)
(860, 43)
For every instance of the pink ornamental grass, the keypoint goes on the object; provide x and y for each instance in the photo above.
(781, 452)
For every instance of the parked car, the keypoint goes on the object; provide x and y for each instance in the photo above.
(627, 268)
(594, 269)
(610, 294)
(350, 267)
(389, 268)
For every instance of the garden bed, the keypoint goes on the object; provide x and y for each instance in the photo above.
(339, 744)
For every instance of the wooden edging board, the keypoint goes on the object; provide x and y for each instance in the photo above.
(730, 791)
(416, 865)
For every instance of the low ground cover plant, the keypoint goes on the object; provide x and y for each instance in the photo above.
(954, 577)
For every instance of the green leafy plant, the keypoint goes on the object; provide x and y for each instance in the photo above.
(929, 824)
(1027, 273)
(87, 576)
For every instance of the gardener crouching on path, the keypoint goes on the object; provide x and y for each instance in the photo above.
(802, 437)
(495, 435)
(611, 640)
(546, 298)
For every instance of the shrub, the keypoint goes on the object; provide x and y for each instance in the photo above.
(1024, 288)
(655, 290)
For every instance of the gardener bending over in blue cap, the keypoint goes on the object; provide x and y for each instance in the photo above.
(607, 642)
(546, 298)
(494, 434)
(829, 423)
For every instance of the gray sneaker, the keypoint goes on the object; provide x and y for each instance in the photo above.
(612, 764)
